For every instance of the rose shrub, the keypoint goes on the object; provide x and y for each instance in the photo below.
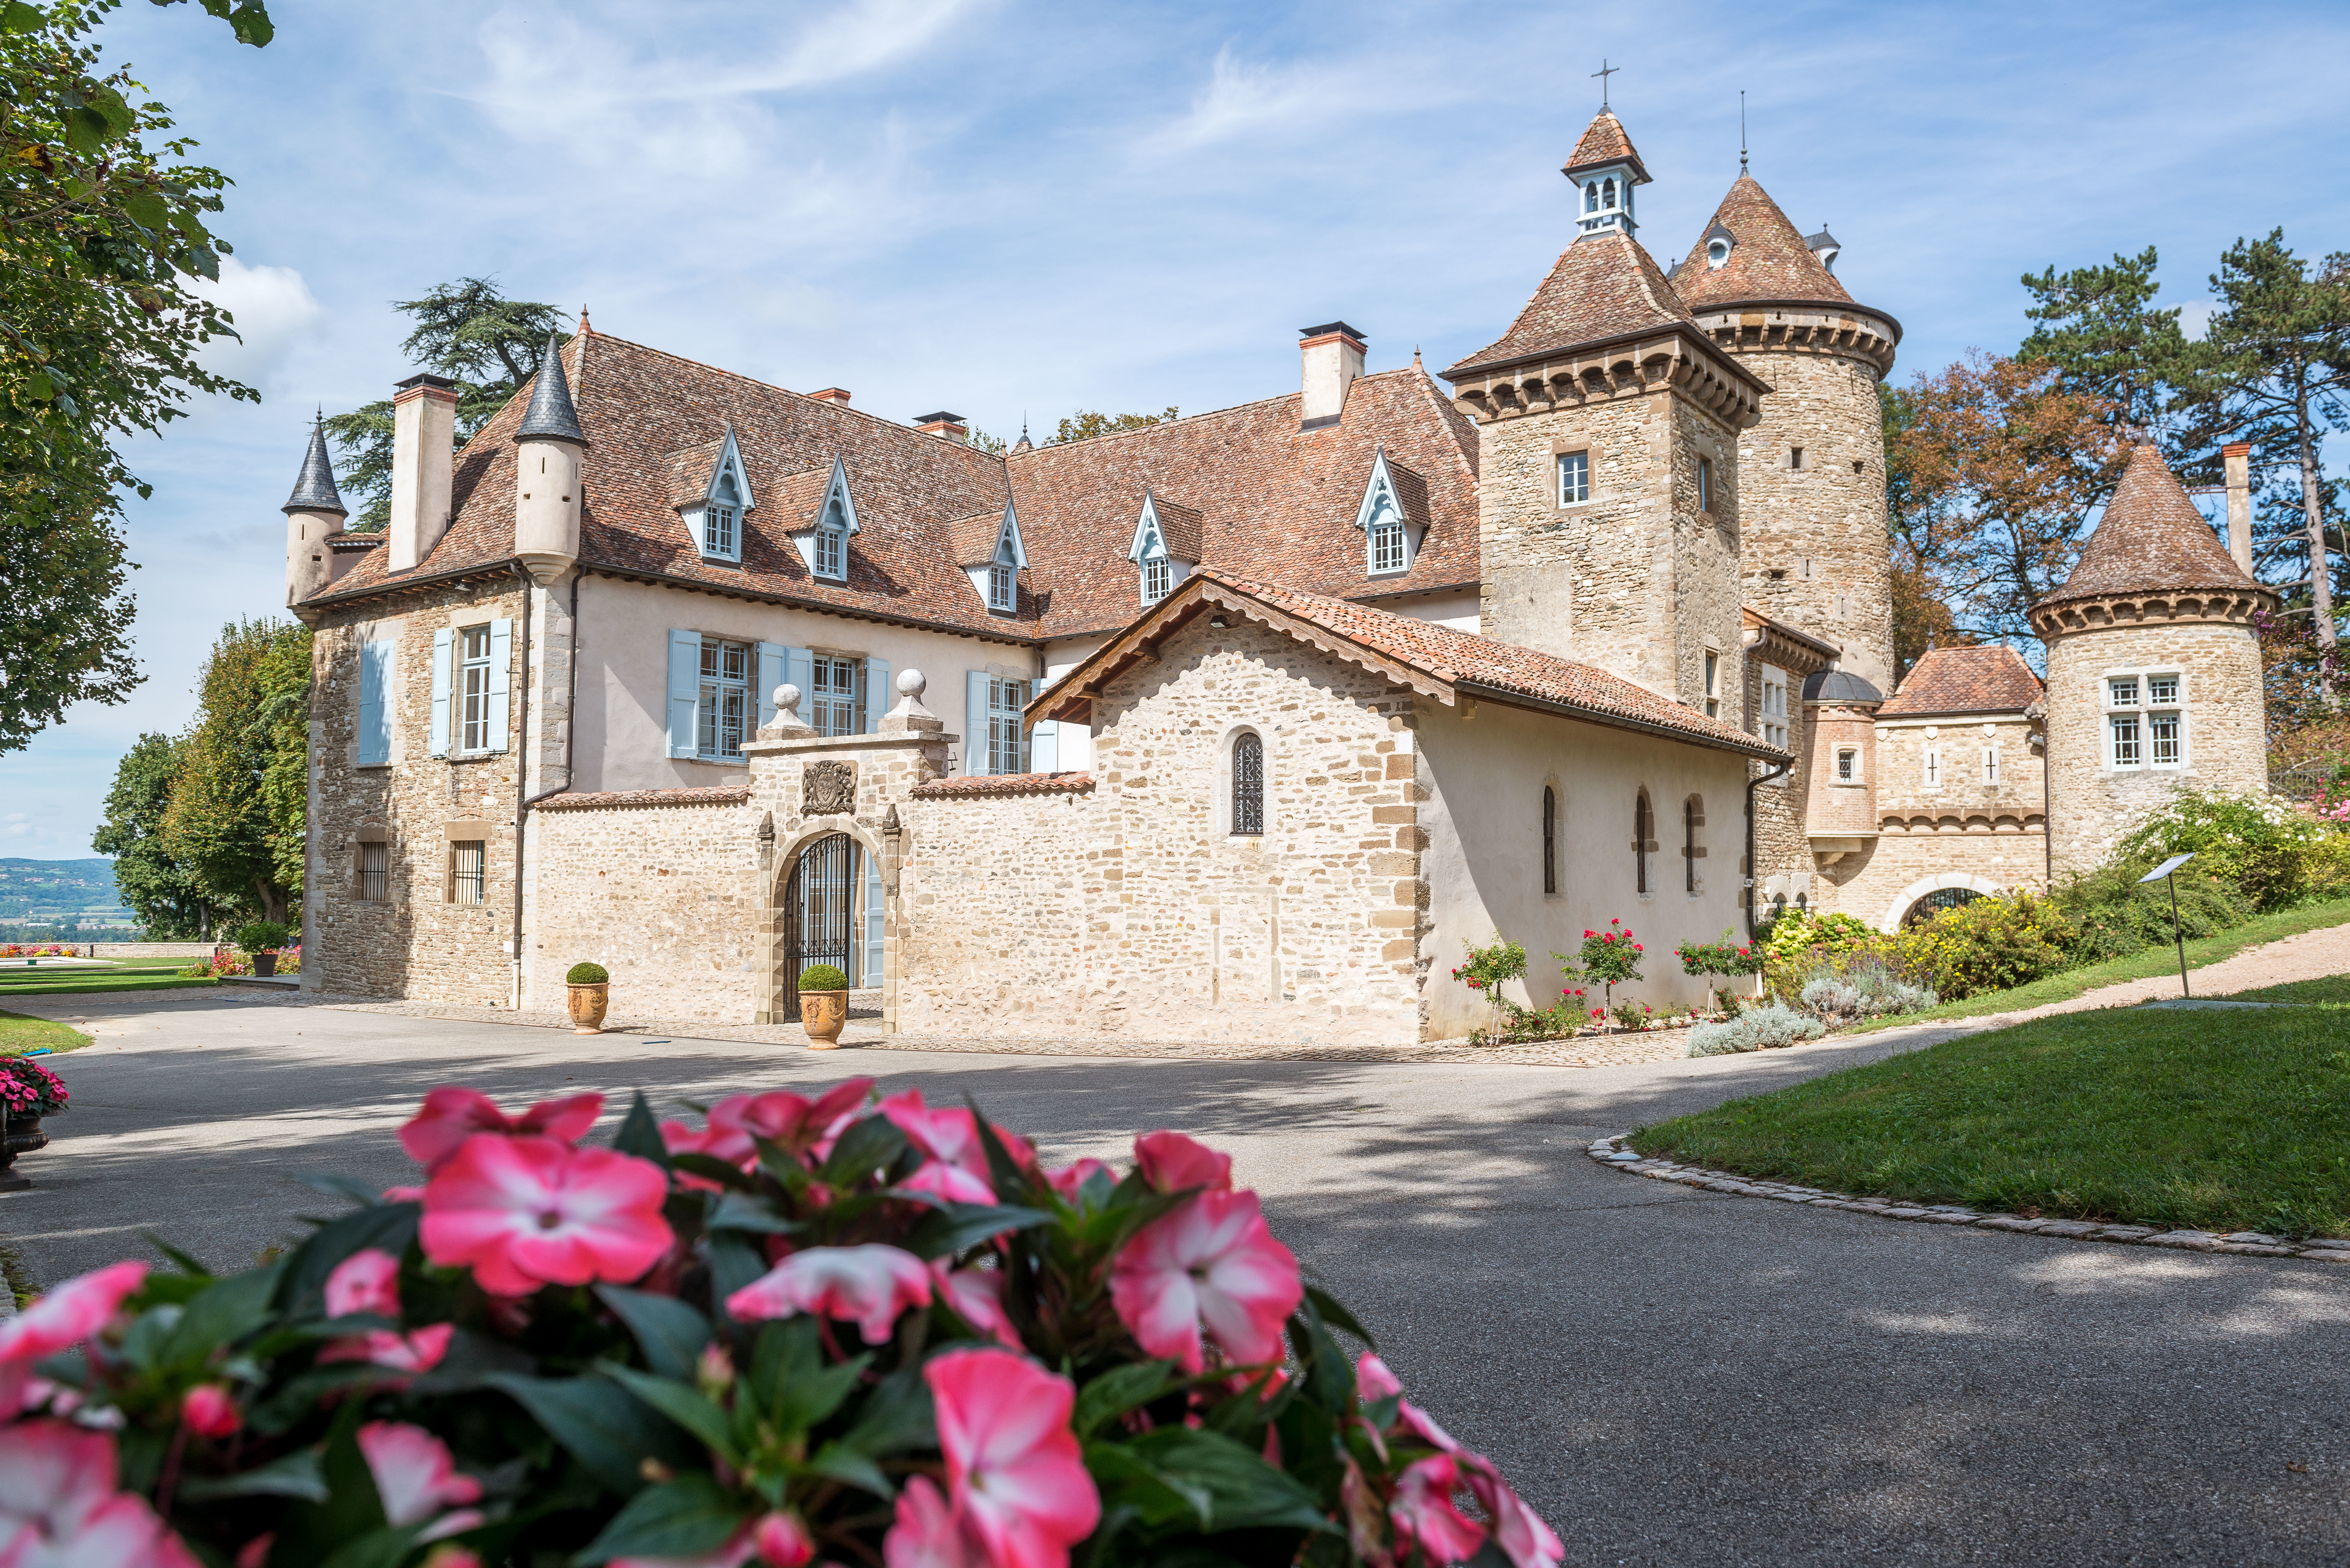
(807, 1330)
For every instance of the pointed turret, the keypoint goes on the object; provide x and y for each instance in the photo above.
(1605, 167)
(315, 490)
(1750, 251)
(550, 416)
(2152, 540)
(314, 516)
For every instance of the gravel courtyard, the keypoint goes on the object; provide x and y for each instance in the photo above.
(1672, 1375)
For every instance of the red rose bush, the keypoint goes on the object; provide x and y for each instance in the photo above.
(809, 1331)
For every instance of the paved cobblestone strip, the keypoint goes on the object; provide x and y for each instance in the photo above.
(1612, 1151)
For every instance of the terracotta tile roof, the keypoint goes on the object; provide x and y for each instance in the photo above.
(1179, 526)
(1992, 679)
(1768, 259)
(616, 800)
(2150, 540)
(981, 787)
(1266, 494)
(1605, 285)
(1604, 141)
(1436, 659)
(975, 537)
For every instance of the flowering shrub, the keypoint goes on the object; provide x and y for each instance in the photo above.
(2108, 914)
(1611, 956)
(804, 1330)
(1486, 967)
(29, 1089)
(1987, 944)
(289, 959)
(2277, 856)
(52, 950)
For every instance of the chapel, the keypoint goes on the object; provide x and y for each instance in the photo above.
(1239, 727)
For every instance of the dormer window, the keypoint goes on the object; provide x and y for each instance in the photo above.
(716, 517)
(1389, 533)
(1717, 253)
(1165, 547)
(1158, 579)
(823, 539)
(1002, 585)
(991, 557)
(831, 550)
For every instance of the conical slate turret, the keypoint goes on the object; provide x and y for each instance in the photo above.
(550, 416)
(315, 490)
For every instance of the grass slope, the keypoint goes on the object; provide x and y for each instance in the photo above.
(2333, 991)
(19, 1034)
(2137, 966)
(78, 981)
(2212, 1120)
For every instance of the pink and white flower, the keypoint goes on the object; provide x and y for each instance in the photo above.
(1211, 1265)
(1170, 1162)
(952, 1136)
(868, 1285)
(59, 1508)
(523, 1212)
(70, 1313)
(1070, 1181)
(452, 1115)
(976, 1296)
(1424, 1513)
(928, 1533)
(208, 1410)
(367, 1282)
(948, 1184)
(1015, 1476)
(1518, 1531)
(416, 1481)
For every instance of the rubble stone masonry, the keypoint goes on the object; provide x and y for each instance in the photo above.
(1950, 827)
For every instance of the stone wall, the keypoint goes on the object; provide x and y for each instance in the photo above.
(2094, 804)
(1958, 831)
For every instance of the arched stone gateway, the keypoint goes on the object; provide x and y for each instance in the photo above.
(829, 912)
(1928, 886)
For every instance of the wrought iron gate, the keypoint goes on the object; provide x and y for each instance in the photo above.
(819, 914)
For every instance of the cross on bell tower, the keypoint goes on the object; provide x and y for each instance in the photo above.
(1603, 73)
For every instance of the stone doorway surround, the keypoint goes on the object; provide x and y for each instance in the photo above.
(1925, 885)
(810, 786)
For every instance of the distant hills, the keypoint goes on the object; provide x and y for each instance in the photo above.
(61, 893)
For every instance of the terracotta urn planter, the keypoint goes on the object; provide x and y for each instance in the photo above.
(587, 1005)
(23, 1136)
(824, 1013)
(265, 963)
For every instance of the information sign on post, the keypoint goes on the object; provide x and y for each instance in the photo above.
(2164, 873)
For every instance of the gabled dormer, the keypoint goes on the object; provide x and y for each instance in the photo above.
(1166, 546)
(988, 549)
(822, 536)
(717, 515)
(1391, 531)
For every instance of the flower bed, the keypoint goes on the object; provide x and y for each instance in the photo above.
(803, 1330)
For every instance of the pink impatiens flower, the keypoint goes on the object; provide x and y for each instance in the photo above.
(1213, 1264)
(1424, 1513)
(367, 1282)
(952, 1136)
(808, 1127)
(1518, 1531)
(927, 1532)
(523, 1212)
(976, 1296)
(70, 1313)
(416, 1478)
(868, 1285)
(452, 1115)
(208, 1410)
(1070, 1181)
(1014, 1477)
(948, 1184)
(1169, 1162)
(59, 1508)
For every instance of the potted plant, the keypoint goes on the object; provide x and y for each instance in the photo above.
(29, 1092)
(260, 939)
(591, 995)
(823, 1005)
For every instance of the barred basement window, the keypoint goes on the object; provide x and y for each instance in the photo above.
(722, 717)
(467, 871)
(1248, 784)
(374, 874)
(1550, 840)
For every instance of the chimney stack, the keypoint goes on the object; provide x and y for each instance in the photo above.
(831, 395)
(945, 426)
(1333, 353)
(2238, 458)
(423, 465)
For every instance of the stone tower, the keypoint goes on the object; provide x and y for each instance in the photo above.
(1607, 472)
(2154, 669)
(547, 446)
(314, 518)
(1811, 472)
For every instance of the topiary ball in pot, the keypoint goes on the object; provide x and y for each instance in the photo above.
(823, 977)
(591, 995)
(823, 1005)
(586, 974)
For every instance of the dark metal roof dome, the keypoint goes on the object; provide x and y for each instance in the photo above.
(315, 490)
(550, 416)
(1839, 686)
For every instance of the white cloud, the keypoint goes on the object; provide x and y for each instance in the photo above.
(2195, 318)
(274, 314)
(1243, 99)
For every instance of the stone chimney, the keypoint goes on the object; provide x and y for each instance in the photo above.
(1333, 353)
(314, 519)
(945, 426)
(2238, 459)
(423, 465)
(831, 395)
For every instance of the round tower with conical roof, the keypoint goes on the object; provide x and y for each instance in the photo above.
(548, 447)
(1811, 472)
(2154, 669)
(314, 518)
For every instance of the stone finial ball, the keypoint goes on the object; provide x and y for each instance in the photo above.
(787, 698)
(911, 683)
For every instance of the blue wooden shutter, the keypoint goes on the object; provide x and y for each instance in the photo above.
(375, 703)
(876, 697)
(501, 655)
(771, 675)
(799, 669)
(1044, 748)
(438, 742)
(873, 899)
(976, 752)
(684, 690)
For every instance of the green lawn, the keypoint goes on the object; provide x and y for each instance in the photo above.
(81, 979)
(19, 1034)
(2137, 966)
(2333, 991)
(2212, 1120)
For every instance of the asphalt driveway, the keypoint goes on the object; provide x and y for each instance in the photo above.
(1673, 1376)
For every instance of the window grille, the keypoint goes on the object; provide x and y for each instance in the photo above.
(467, 871)
(1574, 477)
(831, 551)
(2162, 691)
(2126, 751)
(1248, 784)
(1007, 743)
(1644, 829)
(474, 683)
(2124, 692)
(837, 696)
(1689, 844)
(2163, 728)
(375, 872)
(1550, 840)
(1389, 547)
(1847, 766)
(1158, 580)
(722, 718)
(1002, 586)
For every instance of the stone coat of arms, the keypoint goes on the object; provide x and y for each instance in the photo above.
(828, 788)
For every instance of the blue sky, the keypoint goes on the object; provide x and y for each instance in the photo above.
(1005, 209)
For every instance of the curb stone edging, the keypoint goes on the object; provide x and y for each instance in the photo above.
(1611, 1151)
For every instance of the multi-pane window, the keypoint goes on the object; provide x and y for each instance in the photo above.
(2145, 725)
(722, 718)
(837, 696)
(2122, 691)
(473, 686)
(2162, 729)
(2161, 690)
(1248, 783)
(1002, 585)
(2127, 752)
(1007, 742)
(467, 868)
(1847, 766)
(1644, 833)
(718, 530)
(1574, 477)
(831, 550)
(1390, 550)
(375, 872)
(1550, 840)
(1774, 707)
(1712, 685)
(1158, 580)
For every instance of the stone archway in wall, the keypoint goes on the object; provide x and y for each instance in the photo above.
(1916, 891)
(827, 902)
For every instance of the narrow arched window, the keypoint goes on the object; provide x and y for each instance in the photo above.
(1644, 834)
(1591, 197)
(1608, 195)
(1550, 840)
(1248, 784)
(1692, 818)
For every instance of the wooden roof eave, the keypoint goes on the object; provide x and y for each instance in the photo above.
(1731, 741)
